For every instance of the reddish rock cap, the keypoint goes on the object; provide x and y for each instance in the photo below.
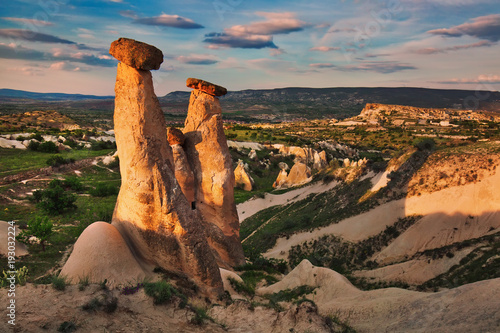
(175, 136)
(136, 54)
(207, 87)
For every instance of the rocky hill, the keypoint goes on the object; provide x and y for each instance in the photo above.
(286, 104)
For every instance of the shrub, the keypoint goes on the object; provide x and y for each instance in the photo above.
(200, 315)
(83, 283)
(55, 200)
(39, 227)
(100, 145)
(74, 183)
(59, 283)
(67, 327)
(104, 190)
(56, 161)
(36, 136)
(34, 145)
(48, 147)
(426, 144)
(162, 292)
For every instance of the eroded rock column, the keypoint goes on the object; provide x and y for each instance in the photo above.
(209, 157)
(151, 213)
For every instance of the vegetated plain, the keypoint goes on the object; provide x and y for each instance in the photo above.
(95, 185)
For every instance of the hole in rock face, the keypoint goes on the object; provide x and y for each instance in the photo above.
(193, 205)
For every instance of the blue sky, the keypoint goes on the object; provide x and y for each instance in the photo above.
(62, 45)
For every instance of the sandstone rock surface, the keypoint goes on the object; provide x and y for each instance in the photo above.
(299, 174)
(101, 253)
(136, 54)
(281, 179)
(183, 172)
(209, 157)
(242, 178)
(151, 213)
(207, 87)
(175, 136)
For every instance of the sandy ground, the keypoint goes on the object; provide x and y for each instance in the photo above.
(252, 206)
(43, 309)
(469, 308)
(416, 271)
(450, 215)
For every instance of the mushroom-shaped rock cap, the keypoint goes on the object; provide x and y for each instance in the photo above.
(175, 136)
(207, 87)
(136, 54)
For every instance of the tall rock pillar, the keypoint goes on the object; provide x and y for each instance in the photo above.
(151, 212)
(209, 157)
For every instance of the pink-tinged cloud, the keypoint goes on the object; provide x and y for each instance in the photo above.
(29, 22)
(434, 50)
(197, 60)
(173, 21)
(32, 36)
(324, 48)
(66, 66)
(276, 23)
(322, 65)
(257, 35)
(383, 67)
(483, 27)
(480, 79)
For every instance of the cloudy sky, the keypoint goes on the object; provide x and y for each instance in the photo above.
(62, 45)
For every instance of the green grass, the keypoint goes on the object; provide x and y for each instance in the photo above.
(317, 210)
(13, 161)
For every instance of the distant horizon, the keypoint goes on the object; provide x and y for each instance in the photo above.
(291, 87)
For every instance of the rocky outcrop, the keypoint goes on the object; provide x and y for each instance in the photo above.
(136, 54)
(299, 174)
(183, 172)
(281, 179)
(242, 178)
(206, 87)
(152, 214)
(211, 162)
(320, 161)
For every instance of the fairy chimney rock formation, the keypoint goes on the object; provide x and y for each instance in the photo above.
(242, 177)
(207, 87)
(152, 214)
(208, 154)
(182, 169)
(136, 54)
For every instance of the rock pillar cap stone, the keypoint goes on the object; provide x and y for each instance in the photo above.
(207, 87)
(136, 54)
(175, 136)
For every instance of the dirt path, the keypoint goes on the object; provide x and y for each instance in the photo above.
(47, 171)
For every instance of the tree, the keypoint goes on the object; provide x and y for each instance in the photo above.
(39, 227)
(55, 199)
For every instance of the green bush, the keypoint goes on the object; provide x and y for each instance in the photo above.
(104, 190)
(56, 161)
(48, 147)
(67, 327)
(34, 145)
(59, 283)
(39, 227)
(162, 292)
(55, 200)
(426, 144)
(100, 145)
(74, 183)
